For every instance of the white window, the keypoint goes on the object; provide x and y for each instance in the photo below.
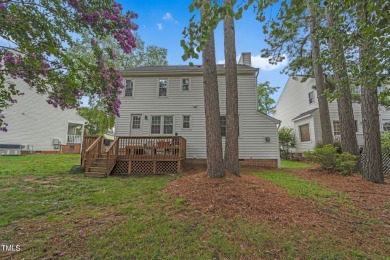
(163, 87)
(162, 124)
(129, 88)
(355, 90)
(336, 128)
(168, 125)
(304, 133)
(156, 125)
(386, 125)
(186, 122)
(185, 84)
(311, 97)
(136, 124)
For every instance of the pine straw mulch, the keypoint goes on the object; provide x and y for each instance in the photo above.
(261, 201)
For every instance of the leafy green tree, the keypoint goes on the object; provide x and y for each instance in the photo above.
(98, 120)
(266, 104)
(40, 32)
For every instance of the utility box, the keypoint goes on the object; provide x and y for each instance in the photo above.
(11, 149)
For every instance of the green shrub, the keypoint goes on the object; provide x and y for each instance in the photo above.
(385, 140)
(330, 159)
(286, 141)
(336, 144)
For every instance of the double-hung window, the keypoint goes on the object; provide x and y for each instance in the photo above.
(129, 88)
(162, 125)
(336, 128)
(311, 97)
(185, 84)
(186, 122)
(163, 87)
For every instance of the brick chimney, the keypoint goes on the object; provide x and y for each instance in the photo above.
(245, 59)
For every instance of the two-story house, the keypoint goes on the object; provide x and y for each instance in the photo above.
(297, 108)
(40, 127)
(169, 101)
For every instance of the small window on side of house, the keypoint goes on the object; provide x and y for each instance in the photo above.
(186, 122)
(223, 125)
(156, 124)
(311, 97)
(386, 125)
(129, 88)
(163, 88)
(168, 124)
(304, 133)
(336, 128)
(355, 90)
(185, 84)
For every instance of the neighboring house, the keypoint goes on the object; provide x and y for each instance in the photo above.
(297, 108)
(169, 100)
(40, 127)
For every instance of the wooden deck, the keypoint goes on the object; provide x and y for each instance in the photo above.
(133, 155)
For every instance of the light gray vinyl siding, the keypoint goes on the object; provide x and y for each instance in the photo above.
(294, 101)
(32, 121)
(254, 127)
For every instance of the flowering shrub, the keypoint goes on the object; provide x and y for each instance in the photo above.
(41, 32)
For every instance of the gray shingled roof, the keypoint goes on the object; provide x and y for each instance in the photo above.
(181, 67)
(305, 114)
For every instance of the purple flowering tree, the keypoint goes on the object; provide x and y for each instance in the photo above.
(39, 34)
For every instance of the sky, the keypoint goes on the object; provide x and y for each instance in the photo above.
(161, 23)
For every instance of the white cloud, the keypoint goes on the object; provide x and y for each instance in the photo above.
(168, 17)
(160, 26)
(262, 63)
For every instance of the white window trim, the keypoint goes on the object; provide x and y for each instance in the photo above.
(131, 122)
(162, 125)
(189, 84)
(158, 88)
(314, 97)
(124, 92)
(383, 121)
(299, 131)
(182, 122)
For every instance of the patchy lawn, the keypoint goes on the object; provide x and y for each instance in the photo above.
(292, 213)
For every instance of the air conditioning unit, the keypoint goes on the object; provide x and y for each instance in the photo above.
(11, 149)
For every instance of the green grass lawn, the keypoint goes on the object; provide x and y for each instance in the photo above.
(51, 212)
(294, 165)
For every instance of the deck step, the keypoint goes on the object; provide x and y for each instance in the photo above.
(95, 174)
(97, 169)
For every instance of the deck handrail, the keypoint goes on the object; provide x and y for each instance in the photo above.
(92, 152)
(112, 155)
(87, 142)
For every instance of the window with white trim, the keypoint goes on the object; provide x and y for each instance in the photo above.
(185, 84)
(163, 88)
(311, 97)
(304, 133)
(129, 88)
(186, 122)
(355, 90)
(336, 128)
(162, 125)
(136, 124)
(386, 125)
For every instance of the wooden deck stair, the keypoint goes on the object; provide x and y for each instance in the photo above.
(98, 167)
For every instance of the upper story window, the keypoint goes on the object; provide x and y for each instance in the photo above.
(185, 84)
(304, 133)
(311, 97)
(163, 87)
(336, 128)
(186, 122)
(355, 90)
(129, 88)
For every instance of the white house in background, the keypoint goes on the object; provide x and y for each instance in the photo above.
(297, 108)
(40, 127)
(169, 100)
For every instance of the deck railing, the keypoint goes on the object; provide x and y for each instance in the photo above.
(92, 152)
(152, 148)
(112, 155)
(74, 139)
(87, 142)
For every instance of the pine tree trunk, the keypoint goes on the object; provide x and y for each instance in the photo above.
(215, 168)
(372, 155)
(232, 123)
(344, 101)
(326, 128)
